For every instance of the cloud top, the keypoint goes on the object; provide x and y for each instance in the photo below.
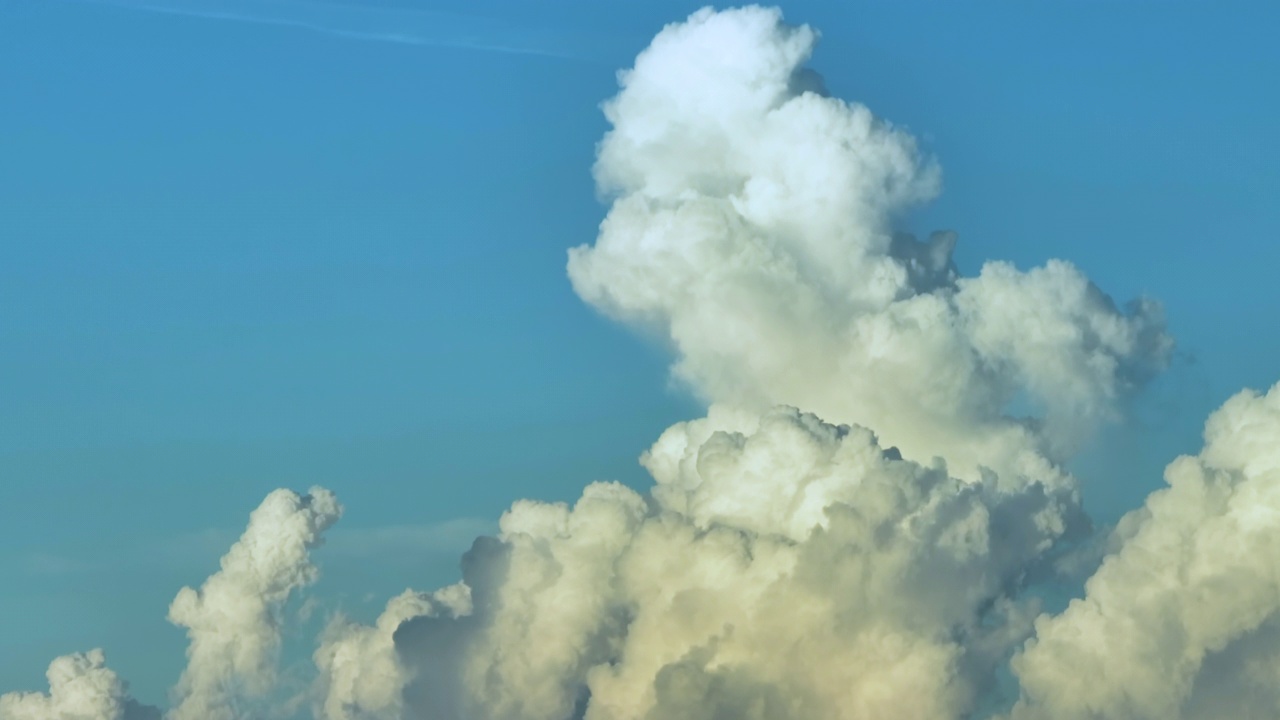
(233, 620)
(81, 687)
(752, 227)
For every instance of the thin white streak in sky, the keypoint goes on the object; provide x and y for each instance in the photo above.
(405, 27)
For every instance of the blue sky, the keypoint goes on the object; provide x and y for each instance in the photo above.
(236, 256)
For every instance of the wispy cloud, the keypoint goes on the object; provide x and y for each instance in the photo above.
(391, 543)
(364, 23)
(51, 564)
(448, 537)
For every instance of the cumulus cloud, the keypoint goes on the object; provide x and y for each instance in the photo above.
(857, 526)
(361, 675)
(752, 226)
(834, 575)
(1182, 620)
(233, 620)
(81, 687)
(785, 566)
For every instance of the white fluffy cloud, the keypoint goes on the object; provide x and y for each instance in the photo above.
(81, 687)
(232, 621)
(752, 226)
(1182, 620)
(796, 570)
(854, 527)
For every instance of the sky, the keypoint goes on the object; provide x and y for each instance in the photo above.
(252, 245)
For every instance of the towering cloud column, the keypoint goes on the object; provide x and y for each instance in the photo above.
(752, 225)
(233, 620)
(861, 556)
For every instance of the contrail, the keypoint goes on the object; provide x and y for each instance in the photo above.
(387, 25)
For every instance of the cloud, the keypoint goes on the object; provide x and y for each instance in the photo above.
(232, 621)
(859, 524)
(784, 565)
(361, 22)
(412, 541)
(1181, 621)
(621, 608)
(52, 564)
(80, 687)
(361, 676)
(752, 227)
